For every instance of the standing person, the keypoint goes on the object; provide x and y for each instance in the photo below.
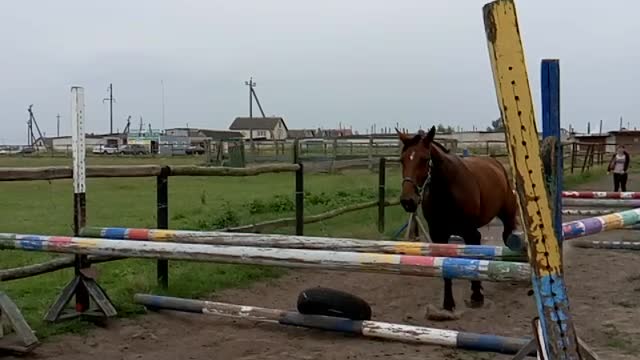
(619, 164)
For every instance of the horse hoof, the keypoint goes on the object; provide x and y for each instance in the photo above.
(474, 304)
(515, 242)
(436, 314)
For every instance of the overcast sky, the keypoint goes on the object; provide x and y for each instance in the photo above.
(355, 62)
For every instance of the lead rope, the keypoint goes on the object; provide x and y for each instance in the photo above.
(426, 183)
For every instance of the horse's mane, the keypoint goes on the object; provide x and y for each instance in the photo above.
(417, 138)
(441, 146)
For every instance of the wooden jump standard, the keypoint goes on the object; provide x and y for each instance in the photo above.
(375, 329)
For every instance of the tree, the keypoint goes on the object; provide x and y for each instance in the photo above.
(496, 125)
(444, 130)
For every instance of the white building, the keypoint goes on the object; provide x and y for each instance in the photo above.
(258, 128)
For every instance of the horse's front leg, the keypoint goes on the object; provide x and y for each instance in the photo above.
(474, 237)
(448, 305)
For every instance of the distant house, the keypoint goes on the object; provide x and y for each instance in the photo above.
(257, 128)
(64, 143)
(629, 138)
(217, 135)
(301, 133)
(333, 133)
(199, 136)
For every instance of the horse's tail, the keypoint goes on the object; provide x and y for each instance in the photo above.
(510, 186)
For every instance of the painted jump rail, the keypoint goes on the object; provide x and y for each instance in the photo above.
(600, 195)
(607, 244)
(443, 267)
(485, 252)
(366, 328)
(610, 203)
(589, 212)
(594, 225)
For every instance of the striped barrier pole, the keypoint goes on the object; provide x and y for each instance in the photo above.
(442, 267)
(306, 242)
(366, 328)
(589, 212)
(594, 225)
(607, 244)
(600, 195)
(619, 203)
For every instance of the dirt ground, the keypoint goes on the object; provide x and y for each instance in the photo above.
(604, 290)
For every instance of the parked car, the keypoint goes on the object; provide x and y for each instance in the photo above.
(194, 149)
(133, 149)
(27, 150)
(105, 149)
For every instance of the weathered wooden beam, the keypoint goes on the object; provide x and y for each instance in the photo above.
(517, 113)
(290, 221)
(47, 267)
(628, 203)
(66, 172)
(115, 171)
(188, 170)
(367, 328)
(306, 242)
(443, 267)
(600, 195)
(35, 173)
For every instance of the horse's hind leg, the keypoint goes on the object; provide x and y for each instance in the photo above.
(477, 298)
(509, 236)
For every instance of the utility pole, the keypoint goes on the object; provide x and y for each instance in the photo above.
(111, 101)
(58, 126)
(251, 84)
(162, 84)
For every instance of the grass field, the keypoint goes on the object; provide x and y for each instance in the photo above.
(199, 203)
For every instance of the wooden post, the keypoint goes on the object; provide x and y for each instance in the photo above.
(162, 213)
(574, 149)
(83, 286)
(381, 193)
(79, 187)
(370, 152)
(299, 191)
(207, 151)
(513, 93)
(550, 93)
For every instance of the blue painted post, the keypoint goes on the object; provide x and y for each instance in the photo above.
(550, 83)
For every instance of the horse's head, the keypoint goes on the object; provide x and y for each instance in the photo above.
(416, 167)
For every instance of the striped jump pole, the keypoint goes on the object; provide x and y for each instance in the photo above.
(442, 267)
(594, 225)
(366, 328)
(610, 203)
(600, 195)
(607, 244)
(588, 212)
(307, 242)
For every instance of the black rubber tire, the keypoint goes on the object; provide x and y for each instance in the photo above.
(331, 302)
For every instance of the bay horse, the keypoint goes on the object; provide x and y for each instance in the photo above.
(457, 196)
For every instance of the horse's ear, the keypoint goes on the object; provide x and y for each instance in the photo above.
(403, 137)
(430, 135)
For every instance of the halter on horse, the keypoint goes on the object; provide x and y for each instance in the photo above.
(457, 196)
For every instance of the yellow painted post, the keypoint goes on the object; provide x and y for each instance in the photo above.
(516, 107)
